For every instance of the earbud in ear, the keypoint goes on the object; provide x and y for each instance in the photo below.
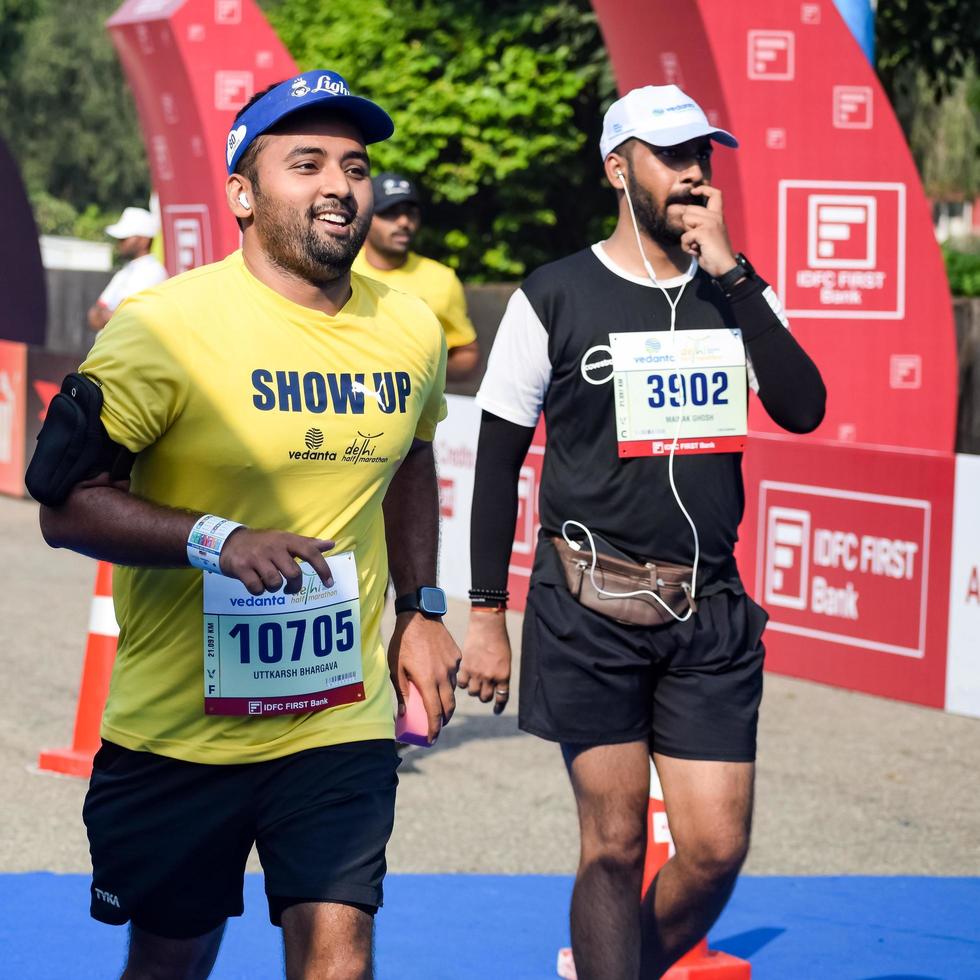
(243, 201)
(621, 176)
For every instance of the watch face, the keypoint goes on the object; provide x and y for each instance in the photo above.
(432, 601)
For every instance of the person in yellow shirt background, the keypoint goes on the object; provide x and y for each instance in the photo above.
(387, 256)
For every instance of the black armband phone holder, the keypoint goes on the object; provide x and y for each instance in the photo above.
(73, 444)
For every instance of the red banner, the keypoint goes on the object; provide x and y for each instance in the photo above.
(822, 194)
(849, 551)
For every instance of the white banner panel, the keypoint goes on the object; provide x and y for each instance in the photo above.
(455, 449)
(963, 663)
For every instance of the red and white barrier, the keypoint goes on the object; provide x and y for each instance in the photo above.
(963, 663)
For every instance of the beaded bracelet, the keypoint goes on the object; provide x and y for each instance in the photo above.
(489, 598)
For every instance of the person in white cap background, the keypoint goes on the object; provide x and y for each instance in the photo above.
(638, 637)
(135, 231)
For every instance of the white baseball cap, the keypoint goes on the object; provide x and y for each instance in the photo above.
(135, 221)
(661, 115)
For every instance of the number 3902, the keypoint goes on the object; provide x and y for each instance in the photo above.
(326, 634)
(679, 387)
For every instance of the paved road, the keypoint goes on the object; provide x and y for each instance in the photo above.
(848, 784)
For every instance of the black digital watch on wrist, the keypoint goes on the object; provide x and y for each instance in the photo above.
(429, 600)
(742, 270)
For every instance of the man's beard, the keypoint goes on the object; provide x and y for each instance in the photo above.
(291, 240)
(653, 219)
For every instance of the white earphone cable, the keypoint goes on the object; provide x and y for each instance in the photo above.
(672, 303)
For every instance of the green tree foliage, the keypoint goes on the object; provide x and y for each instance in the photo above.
(963, 267)
(937, 38)
(945, 139)
(66, 111)
(497, 107)
(52, 215)
(926, 59)
(15, 17)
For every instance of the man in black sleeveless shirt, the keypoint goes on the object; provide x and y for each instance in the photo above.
(612, 694)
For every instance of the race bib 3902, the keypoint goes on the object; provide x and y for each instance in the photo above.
(690, 385)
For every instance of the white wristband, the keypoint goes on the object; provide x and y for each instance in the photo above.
(206, 540)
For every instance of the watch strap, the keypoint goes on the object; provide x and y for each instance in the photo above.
(409, 602)
(412, 602)
(742, 270)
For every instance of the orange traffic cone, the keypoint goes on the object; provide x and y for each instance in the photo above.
(99, 656)
(700, 963)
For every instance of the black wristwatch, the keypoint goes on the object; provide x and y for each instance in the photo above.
(429, 600)
(743, 270)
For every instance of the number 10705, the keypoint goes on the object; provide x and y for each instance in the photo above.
(273, 641)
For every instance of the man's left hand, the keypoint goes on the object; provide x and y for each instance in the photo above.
(705, 234)
(423, 651)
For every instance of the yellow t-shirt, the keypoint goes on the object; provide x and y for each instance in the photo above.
(434, 282)
(220, 384)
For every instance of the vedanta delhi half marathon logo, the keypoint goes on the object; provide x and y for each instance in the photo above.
(314, 442)
(363, 450)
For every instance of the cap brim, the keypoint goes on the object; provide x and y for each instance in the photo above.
(374, 123)
(668, 137)
(121, 232)
(681, 134)
(390, 202)
(724, 137)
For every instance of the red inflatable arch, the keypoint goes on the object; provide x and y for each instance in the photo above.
(846, 538)
(191, 65)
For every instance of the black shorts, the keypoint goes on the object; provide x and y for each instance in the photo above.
(693, 689)
(169, 839)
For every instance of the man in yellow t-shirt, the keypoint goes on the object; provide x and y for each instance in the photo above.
(387, 257)
(279, 407)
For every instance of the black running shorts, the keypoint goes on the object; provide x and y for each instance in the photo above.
(169, 839)
(693, 689)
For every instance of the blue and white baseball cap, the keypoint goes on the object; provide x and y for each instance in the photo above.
(661, 115)
(318, 87)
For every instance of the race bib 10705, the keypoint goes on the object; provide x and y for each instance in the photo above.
(283, 654)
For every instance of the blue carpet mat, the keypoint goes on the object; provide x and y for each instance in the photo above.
(458, 927)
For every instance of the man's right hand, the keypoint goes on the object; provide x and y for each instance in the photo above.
(260, 560)
(485, 669)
